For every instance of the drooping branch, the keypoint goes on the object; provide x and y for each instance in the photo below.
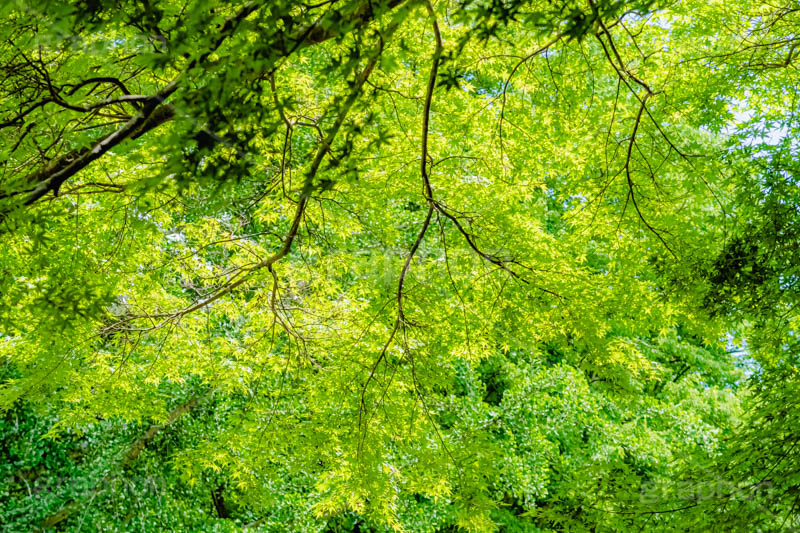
(306, 192)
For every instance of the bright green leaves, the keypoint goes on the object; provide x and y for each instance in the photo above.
(598, 238)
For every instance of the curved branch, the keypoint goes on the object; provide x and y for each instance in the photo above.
(305, 194)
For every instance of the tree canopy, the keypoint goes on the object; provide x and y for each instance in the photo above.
(399, 265)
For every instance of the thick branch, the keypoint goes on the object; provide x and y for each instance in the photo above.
(156, 112)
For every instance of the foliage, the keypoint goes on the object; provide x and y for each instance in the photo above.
(399, 265)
